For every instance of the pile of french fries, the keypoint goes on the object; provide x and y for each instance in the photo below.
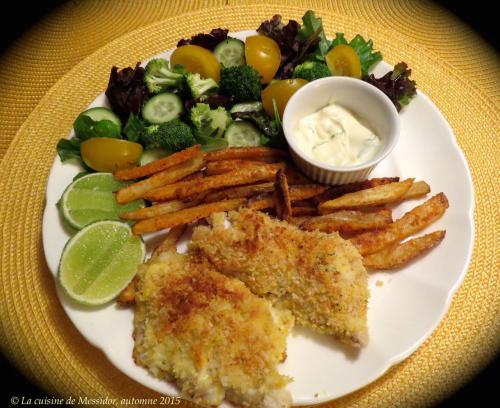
(191, 185)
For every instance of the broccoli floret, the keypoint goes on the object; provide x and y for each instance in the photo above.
(241, 82)
(172, 136)
(159, 76)
(198, 85)
(209, 122)
(311, 70)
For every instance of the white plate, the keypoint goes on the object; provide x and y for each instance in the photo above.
(403, 312)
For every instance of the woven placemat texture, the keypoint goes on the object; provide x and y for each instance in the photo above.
(34, 330)
(57, 43)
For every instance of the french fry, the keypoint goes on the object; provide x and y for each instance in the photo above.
(301, 192)
(188, 189)
(170, 241)
(298, 220)
(337, 191)
(410, 223)
(199, 174)
(300, 211)
(198, 197)
(157, 209)
(386, 193)
(281, 197)
(159, 165)
(349, 221)
(293, 176)
(308, 202)
(185, 216)
(240, 192)
(171, 175)
(417, 189)
(297, 193)
(260, 202)
(225, 166)
(398, 255)
(263, 154)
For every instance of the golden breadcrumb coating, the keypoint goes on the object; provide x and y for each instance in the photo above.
(210, 334)
(319, 277)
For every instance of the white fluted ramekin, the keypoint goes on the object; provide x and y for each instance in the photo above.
(368, 103)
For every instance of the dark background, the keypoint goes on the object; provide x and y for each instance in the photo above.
(478, 14)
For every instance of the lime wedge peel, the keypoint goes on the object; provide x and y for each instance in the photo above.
(100, 261)
(91, 198)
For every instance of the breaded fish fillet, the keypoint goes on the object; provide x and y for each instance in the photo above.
(210, 334)
(319, 277)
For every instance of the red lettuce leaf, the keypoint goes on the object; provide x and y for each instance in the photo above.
(396, 84)
(126, 91)
(208, 41)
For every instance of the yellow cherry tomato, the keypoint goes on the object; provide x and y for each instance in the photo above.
(281, 91)
(343, 60)
(263, 54)
(197, 59)
(108, 154)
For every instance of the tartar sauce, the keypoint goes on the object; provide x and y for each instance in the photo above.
(334, 136)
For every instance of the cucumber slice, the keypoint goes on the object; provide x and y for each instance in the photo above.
(162, 108)
(100, 113)
(247, 107)
(241, 133)
(230, 52)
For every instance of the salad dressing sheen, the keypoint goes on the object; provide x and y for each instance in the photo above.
(334, 136)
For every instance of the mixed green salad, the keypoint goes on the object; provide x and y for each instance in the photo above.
(219, 91)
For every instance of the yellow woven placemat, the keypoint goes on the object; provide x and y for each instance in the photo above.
(39, 338)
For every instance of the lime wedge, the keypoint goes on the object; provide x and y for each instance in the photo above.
(91, 198)
(100, 261)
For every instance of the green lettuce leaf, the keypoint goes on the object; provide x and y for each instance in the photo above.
(69, 149)
(312, 26)
(134, 128)
(339, 39)
(87, 128)
(364, 49)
